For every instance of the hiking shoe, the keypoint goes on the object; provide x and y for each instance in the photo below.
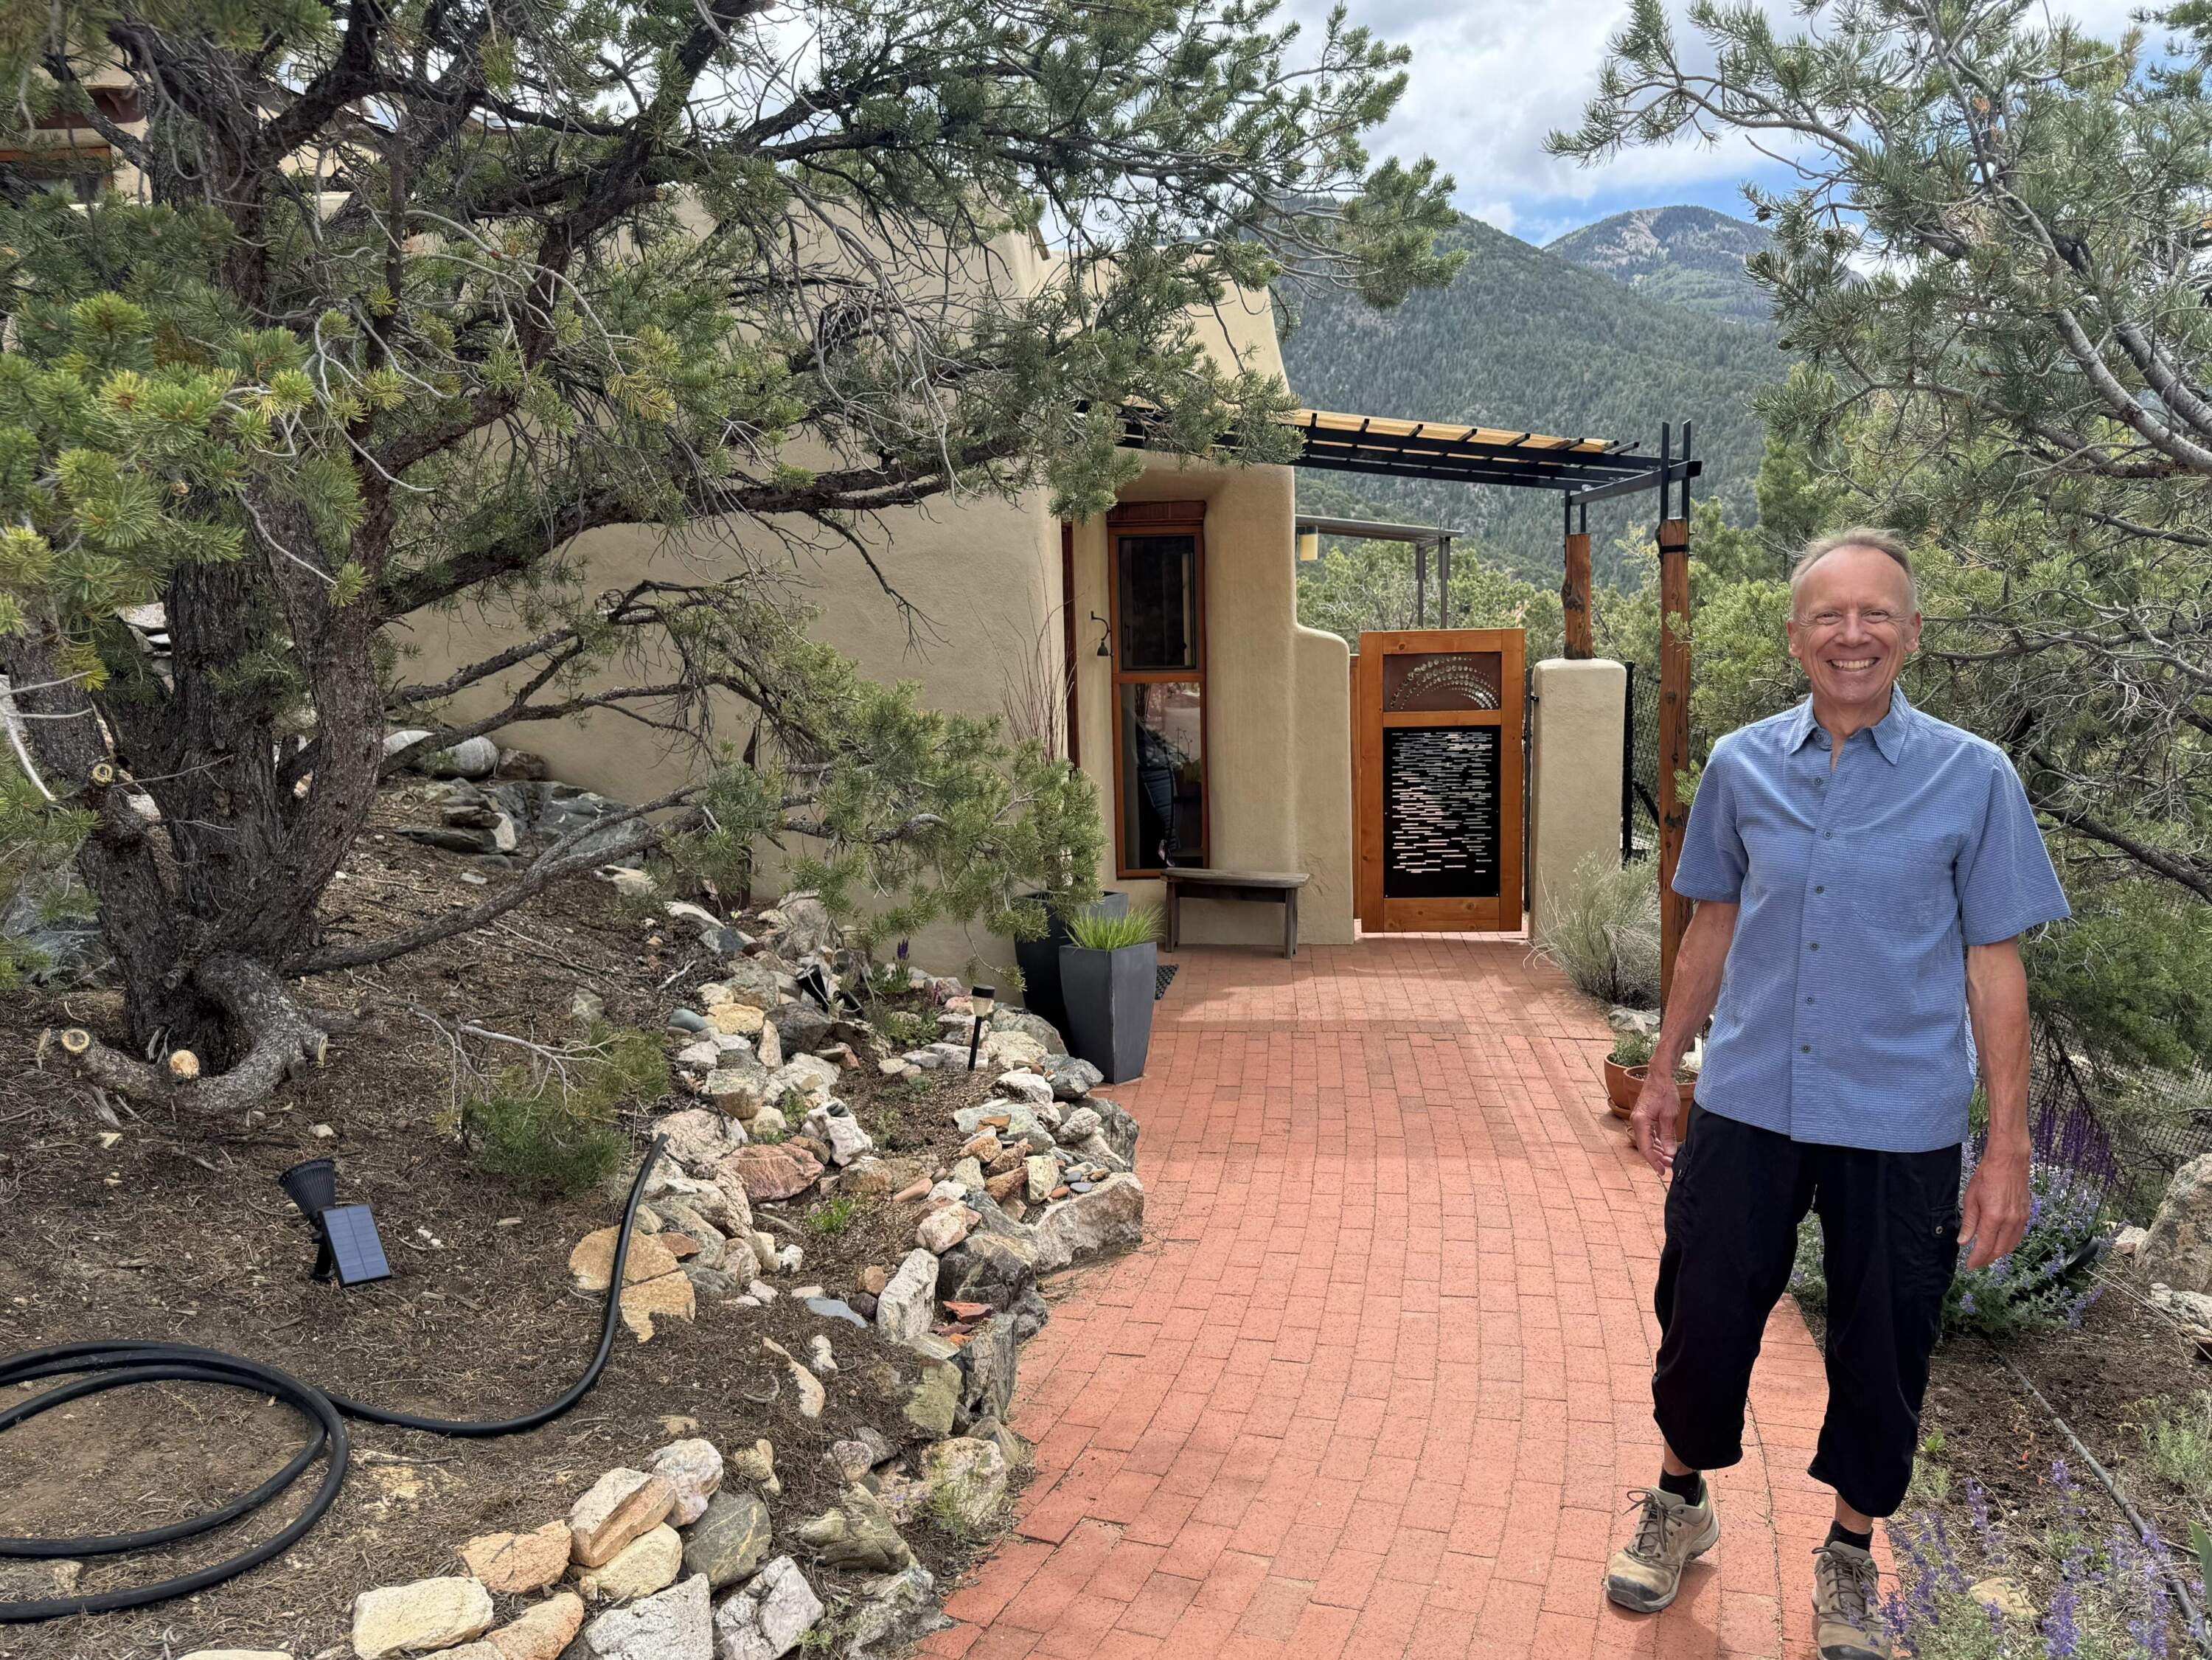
(1645, 1573)
(1847, 1620)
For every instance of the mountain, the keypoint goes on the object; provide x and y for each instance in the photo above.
(1524, 339)
(1689, 256)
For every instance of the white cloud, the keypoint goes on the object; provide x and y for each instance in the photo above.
(1490, 79)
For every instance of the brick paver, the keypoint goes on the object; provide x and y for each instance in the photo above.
(1379, 1380)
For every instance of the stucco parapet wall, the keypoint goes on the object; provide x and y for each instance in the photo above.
(1574, 788)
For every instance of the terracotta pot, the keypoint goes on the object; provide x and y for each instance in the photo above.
(1624, 1084)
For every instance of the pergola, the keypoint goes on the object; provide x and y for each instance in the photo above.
(1583, 471)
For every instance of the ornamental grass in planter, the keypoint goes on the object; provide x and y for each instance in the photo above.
(1039, 959)
(1109, 974)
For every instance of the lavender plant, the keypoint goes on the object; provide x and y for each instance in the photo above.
(2034, 1287)
(2027, 1290)
(2110, 1599)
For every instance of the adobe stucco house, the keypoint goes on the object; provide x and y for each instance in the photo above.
(1216, 727)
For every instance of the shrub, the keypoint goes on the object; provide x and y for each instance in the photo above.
(1604, 934)
(905, 1029)
(1632, 1049)
(1139, 925)
(2110, 1600)
(553, 1129)
(2176, 1444)
(833, 1216)
(2029, 1290)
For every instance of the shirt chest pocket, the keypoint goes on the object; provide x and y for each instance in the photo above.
(1902, 884)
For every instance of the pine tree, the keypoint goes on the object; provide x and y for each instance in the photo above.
(408, 294)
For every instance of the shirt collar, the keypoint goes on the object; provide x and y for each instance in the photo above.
(1889, 732)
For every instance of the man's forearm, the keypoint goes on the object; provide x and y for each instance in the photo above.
(1997, 1002)
(1697, 985)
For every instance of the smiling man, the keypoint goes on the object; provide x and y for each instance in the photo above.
(1862, 873)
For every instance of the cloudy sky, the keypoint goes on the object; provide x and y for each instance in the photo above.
(1491, 77)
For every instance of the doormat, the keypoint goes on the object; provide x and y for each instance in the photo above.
(1164, 977)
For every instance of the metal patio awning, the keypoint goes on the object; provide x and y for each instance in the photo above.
(1395, 447)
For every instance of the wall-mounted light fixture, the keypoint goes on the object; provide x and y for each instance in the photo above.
(1308, 546)
(1105, 634)
(981, 999)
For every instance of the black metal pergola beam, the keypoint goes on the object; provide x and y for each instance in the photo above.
(1674, 472)
(1472, 455)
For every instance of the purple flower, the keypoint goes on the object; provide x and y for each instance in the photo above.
(2060, 1634)
(1949, 1558)
(1977, 1509)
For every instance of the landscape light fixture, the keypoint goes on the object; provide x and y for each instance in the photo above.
(814, 980)
(346, 1245)
(981, 999)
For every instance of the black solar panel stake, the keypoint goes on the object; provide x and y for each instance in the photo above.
(347, 1248)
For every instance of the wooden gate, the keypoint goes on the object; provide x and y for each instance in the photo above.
(1437, 723)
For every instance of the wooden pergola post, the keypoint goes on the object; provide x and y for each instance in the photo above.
(1575, 585)
(1674, 704)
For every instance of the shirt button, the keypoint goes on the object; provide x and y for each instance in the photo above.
(1819, 887)
(1828, 836)
(1808, 999)
(1815, 945)
(1804, 1048)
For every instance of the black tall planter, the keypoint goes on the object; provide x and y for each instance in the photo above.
(1109, 1006)
(1039, 959)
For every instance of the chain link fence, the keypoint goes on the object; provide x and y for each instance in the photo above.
(1639, 768)
(2129, 1133)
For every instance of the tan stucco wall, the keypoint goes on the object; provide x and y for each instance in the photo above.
(1574, 783)
(1321, 741)
(983, 577)
(1277, 715)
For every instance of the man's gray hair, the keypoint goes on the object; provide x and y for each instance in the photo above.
(1858, 535)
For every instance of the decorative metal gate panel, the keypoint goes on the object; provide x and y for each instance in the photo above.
(1436, 718)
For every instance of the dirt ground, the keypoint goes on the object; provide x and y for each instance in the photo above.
(2100, 1379)
(162, 1228)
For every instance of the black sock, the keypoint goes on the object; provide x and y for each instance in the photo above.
(1840, 1535)
(1690, 1489)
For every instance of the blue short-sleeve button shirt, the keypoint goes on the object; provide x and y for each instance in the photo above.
(1842, 1016)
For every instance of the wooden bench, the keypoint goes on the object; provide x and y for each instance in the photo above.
(1276, 885)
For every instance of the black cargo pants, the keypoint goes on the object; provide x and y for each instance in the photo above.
(1890, 1226)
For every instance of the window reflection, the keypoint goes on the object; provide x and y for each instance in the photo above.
(1163, 775)
(1158, 602)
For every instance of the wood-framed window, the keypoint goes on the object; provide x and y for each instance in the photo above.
(1155, 595)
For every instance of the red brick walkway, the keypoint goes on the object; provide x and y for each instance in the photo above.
(1380, 1379)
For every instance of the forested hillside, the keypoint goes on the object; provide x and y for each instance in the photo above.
(1685, 256)
(1524, 338)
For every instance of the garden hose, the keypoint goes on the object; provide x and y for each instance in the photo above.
(2144, 1531)
(100, 1366)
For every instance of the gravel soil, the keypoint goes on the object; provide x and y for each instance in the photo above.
(159, 1227)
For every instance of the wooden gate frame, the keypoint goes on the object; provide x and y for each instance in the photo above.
(1377, 914)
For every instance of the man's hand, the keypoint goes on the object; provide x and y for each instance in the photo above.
(1994, 1213)
(1651, 1122)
